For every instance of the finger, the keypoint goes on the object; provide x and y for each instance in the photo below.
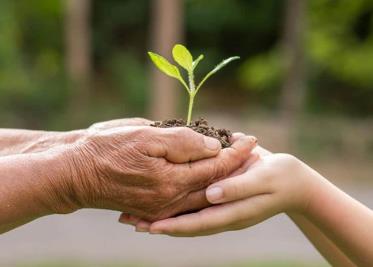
(128, 219)
(217, 218)
(143, 226)
(262, 151)
(246, 185)
(193, 202)
(236, 136)
(253, 157)
(201, 173)
(181, 144)
(140, 224)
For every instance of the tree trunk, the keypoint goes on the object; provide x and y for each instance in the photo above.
(166, 30)
(293, 91)
(292, 99)
(78, 54)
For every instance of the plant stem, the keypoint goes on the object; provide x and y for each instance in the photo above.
(190, 108)
(192, 89)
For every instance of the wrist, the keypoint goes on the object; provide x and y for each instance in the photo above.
(57, 190)
(49, 140)
(301, 187)
(314, 186)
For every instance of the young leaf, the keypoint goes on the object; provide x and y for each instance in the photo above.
(216, 69)
(183, 57)
(165, 66)
(223, 64)
(196, 62)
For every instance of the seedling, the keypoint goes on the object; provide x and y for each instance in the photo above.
(185, 59)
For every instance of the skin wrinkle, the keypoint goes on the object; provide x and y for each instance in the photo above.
(134, 157)
(130, 154)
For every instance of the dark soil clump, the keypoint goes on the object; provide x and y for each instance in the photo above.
(200, 126)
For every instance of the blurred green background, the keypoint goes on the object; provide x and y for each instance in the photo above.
(304, 83)
(41, 40)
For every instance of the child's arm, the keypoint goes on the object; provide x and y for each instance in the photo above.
(345, 221)
(323, 244)
(281, 183)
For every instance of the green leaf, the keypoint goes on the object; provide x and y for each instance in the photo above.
(165, 66)
(223, 64)
(216, 69)
(196, 62)
(183, 57)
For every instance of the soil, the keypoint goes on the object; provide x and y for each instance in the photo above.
(200, 126)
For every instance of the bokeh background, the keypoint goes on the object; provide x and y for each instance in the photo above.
(304, 85)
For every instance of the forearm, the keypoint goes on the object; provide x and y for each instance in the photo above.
(322, 243)
(29, 186)
(343, 220)
(14, 141)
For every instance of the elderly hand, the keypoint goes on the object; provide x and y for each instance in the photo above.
(16, 141)
(150, 172)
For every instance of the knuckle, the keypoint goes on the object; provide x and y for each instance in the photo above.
(182, 133)
(139, 146)
(142, 133)
(238, 156)
(231, 190)
(220, 169)
(168, 192)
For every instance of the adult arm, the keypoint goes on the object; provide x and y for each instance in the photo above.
(17, 141)
(26, 191)
(144, 171)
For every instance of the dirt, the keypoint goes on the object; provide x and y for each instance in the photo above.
(200, 126)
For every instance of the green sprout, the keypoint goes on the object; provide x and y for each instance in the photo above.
(185, 59)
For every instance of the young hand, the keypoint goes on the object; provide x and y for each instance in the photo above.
(275, 183)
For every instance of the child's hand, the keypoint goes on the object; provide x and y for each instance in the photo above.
(275, 183)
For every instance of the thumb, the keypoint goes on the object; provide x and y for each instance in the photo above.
(181, 144)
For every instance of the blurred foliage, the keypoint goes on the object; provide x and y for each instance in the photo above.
(339, 51)
(34, 91)
(31, 76)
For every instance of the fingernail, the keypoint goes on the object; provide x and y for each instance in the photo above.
(248, 140)
(212, 143)
(214, 194)
(142, 226)
(238, 135)
(141, 229)
(155, 232)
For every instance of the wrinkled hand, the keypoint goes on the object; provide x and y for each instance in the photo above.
(149, 172)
